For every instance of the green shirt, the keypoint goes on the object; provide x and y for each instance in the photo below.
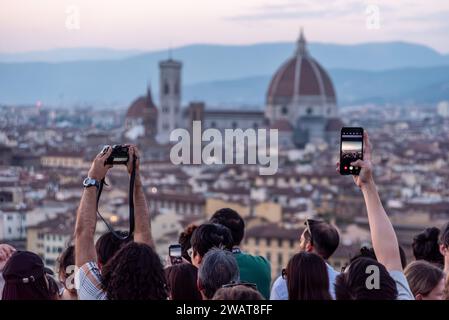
(255, 269)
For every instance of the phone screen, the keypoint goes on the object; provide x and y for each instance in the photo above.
(175, 251)
(351, 149)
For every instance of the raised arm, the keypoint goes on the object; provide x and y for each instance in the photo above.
(86, 217)
(142, 231)
(383, 237)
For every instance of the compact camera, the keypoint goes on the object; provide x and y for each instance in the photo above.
(119, 155)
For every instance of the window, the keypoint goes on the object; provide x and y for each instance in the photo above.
(234, 125)
(9, 217)
(280, 258)
(284, 110)
(257, 241)
(166, 88)
(280, 242)
(309, 111)
(255, 125)
(177, 87)
(165, 110)
(50, 262)
(213, 124)
(268, 242)
(268, 255)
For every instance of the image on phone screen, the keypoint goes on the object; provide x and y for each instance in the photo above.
(175, 253)
(351, 149)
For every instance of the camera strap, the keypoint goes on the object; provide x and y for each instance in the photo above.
(130, 201)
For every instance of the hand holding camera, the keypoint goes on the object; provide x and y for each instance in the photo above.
(99, 168)
(110, 156)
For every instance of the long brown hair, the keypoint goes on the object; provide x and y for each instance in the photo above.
(423, 277)
(307, 277)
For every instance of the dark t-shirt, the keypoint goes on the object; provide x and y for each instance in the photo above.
(255, 269)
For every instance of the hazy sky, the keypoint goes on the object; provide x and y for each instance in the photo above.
(157, 24)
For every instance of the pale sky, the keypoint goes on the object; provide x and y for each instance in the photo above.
(158, 24)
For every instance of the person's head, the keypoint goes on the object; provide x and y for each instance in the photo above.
(182, 282)
(307, 277)
(319, 237)
(206, 237)
(444, 240)
(352, 283)
(184, 241)
(425, 246)
(135, 272)
(426, 280)
(369, 253)
(107, 245)
(218, 268)
(238, 292)
(66, 268)
(231, 220)
(26, 278)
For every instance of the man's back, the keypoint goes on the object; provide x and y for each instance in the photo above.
(255, 269)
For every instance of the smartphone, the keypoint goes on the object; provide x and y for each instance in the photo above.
(351, 149)
(175, 253)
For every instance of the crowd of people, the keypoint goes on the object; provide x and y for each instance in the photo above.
(213, 266)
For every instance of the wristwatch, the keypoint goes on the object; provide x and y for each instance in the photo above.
(90, 182)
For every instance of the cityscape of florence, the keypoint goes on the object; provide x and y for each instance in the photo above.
(60, 107)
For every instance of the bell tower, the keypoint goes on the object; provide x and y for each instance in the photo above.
(169, 98)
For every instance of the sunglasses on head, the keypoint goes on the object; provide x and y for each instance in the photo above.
(284, 274)
(307, 223)
(240, 283)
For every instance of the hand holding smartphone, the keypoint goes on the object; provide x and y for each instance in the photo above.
(175, 253)
(351, 149)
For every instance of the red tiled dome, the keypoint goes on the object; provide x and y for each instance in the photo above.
(301, 75)
(141, 107)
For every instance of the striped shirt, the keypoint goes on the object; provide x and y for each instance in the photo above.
(89, 285)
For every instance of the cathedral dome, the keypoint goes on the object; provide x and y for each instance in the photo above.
(142, 107)
(298, 77)
(141, 117)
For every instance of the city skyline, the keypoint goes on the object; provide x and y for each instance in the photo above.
(147, 26)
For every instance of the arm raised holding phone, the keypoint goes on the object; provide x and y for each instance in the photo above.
(384, 240)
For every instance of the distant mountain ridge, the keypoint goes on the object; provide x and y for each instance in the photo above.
(68, 54)
(407, 85)
(226, 75)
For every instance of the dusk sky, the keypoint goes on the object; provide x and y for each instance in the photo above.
(27, 25)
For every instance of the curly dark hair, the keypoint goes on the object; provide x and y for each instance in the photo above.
(184, 241)
(135, 272)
